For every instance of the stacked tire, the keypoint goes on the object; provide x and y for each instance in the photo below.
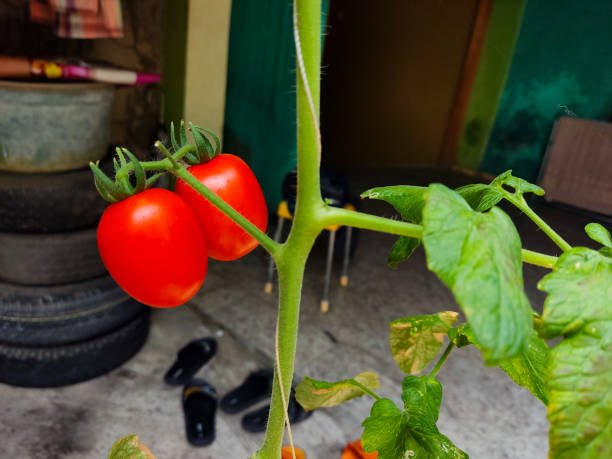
(62, 318)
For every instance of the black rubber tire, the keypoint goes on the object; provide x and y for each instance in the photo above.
(39, 316)
(49, 259)
(63, 365)
(49, 203)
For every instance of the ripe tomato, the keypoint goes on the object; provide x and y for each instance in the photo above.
(231, 179)
(153, 248)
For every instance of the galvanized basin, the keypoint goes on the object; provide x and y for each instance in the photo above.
(47, 127)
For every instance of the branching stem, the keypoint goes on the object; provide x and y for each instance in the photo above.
(519, 202)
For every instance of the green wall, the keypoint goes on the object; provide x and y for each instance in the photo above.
(494, 65)
(563, 64)
(260, 106)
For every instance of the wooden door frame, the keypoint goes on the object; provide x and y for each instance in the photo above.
(469, 69)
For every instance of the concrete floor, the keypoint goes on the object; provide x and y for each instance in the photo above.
(483, 412)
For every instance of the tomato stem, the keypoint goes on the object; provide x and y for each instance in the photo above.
(264, 240)
(434, 372)
(520, 203)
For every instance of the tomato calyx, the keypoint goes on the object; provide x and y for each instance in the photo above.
(204, 148)
(130, 174)
(123, 186)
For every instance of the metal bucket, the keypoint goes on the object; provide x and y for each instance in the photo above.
(46, 127)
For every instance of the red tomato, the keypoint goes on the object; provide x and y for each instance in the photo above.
(231, 179)
(153, 248)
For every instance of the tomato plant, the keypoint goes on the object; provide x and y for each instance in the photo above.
(152, 247)
(471, 245)
(230, 178)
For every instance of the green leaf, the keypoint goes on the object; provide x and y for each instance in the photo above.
(401, 250)
(411, 432)
(528, 369)
(415, 341)
(579, 307)
(580, 405)
(479, 196)
(520, 186)
(129, 447)
(407, 200)
(579, 292)
(599, 234)
(478, 256)
(313, 394)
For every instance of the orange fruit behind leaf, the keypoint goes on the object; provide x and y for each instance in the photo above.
(354, 450)
(286, 453)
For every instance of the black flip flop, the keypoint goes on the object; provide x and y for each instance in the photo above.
(257, 420)
(256, 387)
(200, 405)
(189, 360)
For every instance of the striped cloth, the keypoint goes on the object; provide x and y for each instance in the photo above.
(79, 18)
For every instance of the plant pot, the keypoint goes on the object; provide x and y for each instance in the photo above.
(46, 127)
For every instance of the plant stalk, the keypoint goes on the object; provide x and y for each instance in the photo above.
(434, 372)
(291, 260)
(264, 240)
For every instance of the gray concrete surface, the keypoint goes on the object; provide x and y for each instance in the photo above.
(483, 412)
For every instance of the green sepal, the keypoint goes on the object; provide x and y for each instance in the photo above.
(192, 159)
(119, 152)
(139, 173)
(599, 233)
(116, 165)
(213, 135)
(183, 134)
(108, 189)
(203, 146)
(153, 179)
(175, 146)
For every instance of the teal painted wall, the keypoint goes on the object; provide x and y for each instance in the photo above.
(260, 106)
(563, 63)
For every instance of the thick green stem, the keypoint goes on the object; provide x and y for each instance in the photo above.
(291, 264)
(291, 259)
(264, 240)
(335, 216)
